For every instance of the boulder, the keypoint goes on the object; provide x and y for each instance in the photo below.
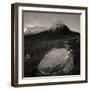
(56, 62)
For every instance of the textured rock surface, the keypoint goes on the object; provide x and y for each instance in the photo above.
(56, 62)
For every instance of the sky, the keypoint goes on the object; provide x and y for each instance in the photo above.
(46, 19)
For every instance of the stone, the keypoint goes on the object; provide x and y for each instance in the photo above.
(56, 62)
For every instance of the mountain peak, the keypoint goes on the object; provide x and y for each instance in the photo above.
(59, 27)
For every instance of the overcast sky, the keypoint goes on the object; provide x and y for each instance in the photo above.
(47, 19)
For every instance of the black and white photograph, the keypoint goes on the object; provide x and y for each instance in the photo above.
(49, 44)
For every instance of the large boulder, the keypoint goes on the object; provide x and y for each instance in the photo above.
(56, 62)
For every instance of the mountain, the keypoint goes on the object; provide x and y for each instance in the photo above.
(55, 27)
(57, 30)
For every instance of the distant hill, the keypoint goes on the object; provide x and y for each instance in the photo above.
(57, 30)
(57, 26)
